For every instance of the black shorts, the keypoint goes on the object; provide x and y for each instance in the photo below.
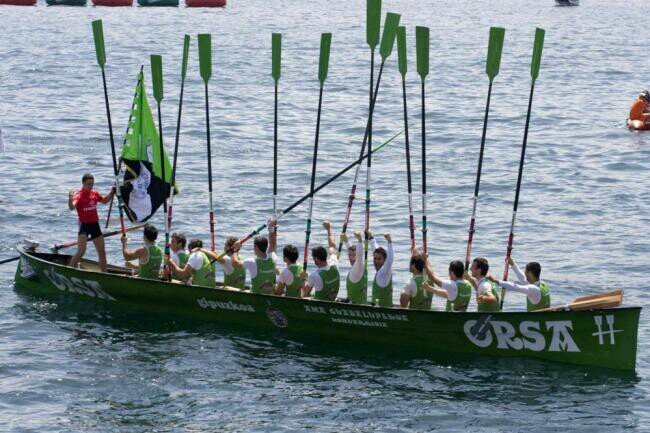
(92, 230)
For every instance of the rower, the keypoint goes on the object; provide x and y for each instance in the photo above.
(487, 296)
(382, 259)
(85, 202)
(232, 276)
(639, 112)
(414, 296)
(326, 279)
(262, 268)
(198, 266)
(289, 282)
(537, 292)
(356, 282)
(456, 290)
(149, 256)
(179, 254)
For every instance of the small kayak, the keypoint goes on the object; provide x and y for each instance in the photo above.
(205, 3)
(637, 125)
(157, 3)
(113, 2)
(567, 2)
(18, 2)
(66, 2)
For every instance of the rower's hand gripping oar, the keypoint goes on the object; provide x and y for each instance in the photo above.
(205, 62)
(98, 36)
(534, 73)
(373, 22)
(186, 50)
(306, 196)
(495, 46)
(323, 66)
(422, 58)
(157, 83)
(402, 64)
(276, 60)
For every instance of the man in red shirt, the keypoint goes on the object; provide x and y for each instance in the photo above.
(85, 201)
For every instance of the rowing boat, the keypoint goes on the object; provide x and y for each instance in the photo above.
(598, 337)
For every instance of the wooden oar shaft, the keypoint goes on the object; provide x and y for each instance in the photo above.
(313, 181)
(424, 174)
(353, 191)
(207, 128)
(275, 150)
(470, 236)
(369, 161)
(409, 186)
(13, 259)
(58, 247)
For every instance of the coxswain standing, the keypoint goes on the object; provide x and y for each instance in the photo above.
(85, 202)
(149, 255)
(537, 292)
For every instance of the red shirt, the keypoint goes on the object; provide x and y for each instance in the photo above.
(86, 203)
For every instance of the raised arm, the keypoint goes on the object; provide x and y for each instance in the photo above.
(429, 271)
(521, 277)
(331, 243)
(272, 226)
(71, 204)
(132, 255)
(386, 269)
(108, 197)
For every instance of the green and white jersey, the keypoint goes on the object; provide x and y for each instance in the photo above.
(232, 276)
(420, 298)
(487, 286)
(326, 281)
(545, 298)
(459, 293)
(202, 269)
(290, 277)
(356, 282)
(262, 273)
(151, 268)
(180, 258)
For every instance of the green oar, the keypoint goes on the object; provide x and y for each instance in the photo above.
(110, 208)
(401, 57)
(373, 22)
(422, 54)
(308, 195)
(534, 73)
(323, 65)
(205, 62)
(157, 83)
(495, 46)
(276, 59)
(186, 50)
(98, 36)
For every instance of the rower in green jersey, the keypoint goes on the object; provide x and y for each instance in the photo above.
(289, 282)
(382, 259)
(232, 276)
(199, 266)
(538, 294)
(179, 253)
(326, 279)
(149, 256)
(261, 268)
(414, 296)
(487, 295)
(356, 281)
(456, 290)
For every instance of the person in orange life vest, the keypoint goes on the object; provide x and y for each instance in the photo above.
(639, 112)
(85, 202)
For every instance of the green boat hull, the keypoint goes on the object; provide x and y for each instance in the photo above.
(602, 338)
(158, 3)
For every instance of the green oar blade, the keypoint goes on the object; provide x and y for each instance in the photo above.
(495, 47)
(373, 22)
(98, 35)
(422, 50)
(388, 37)
(537, 53)
(401, 50)
(186, 53)
(276, 55)
(157, 77)
(205, 56)
(323, 65)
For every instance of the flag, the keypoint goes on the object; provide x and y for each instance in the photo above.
(143, 189)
